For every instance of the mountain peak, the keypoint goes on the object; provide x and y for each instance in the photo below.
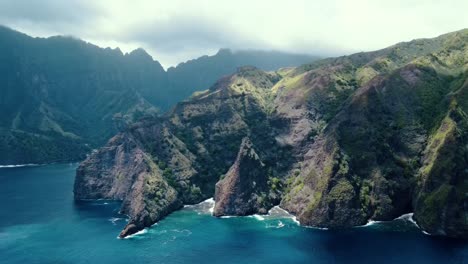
(224, 51)
(140, 53)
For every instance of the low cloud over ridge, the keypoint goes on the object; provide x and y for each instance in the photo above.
(179, 30)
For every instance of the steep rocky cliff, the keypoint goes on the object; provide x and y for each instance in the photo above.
(186, 152)
(338, 142)
(244, 189)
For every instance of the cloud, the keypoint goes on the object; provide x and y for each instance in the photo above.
(177, 30)
(187, 32)
(52, 15)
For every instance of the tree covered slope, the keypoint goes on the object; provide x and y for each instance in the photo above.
(60, 97)
(337, 142)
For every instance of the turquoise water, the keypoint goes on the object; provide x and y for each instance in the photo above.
(40, 223)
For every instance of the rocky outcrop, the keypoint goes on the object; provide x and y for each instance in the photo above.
(339, 142)
(123, 171)
(150, 199)
(244, 188)
(110, 172)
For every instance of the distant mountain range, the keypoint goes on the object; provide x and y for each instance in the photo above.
(61, 96)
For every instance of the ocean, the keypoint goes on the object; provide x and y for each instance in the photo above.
(41, 223)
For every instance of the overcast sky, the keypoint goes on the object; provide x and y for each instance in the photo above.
(173, 31)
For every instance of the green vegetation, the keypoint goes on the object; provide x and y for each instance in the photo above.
(275, 183)
(342, 191)
(433, 205)
(339, 141)
(78, 95)
(364, 195)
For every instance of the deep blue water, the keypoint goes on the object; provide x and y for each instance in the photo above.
(40, 223)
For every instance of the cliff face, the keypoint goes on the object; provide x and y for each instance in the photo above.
(122, 171)
(337, 143)
(186, 152)
(441, 194)
(244, 190)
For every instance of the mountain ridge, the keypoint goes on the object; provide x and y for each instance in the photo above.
(370, 136)
(63, 96)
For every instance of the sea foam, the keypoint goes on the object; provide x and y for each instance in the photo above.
(278, 212)
(258, 217)
(114, 220)
(137, 234)
(408, 217)
(205, 207)
(18, 165)
(371, 222)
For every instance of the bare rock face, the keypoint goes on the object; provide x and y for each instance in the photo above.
(109, 172)
(244, 188)
(123, 171)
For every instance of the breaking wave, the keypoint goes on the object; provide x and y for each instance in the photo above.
(205, 207)
(407, 217)
(278, 212)
(371, 223)
(137, 234)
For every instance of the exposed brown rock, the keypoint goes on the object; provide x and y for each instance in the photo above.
(244, 188)
(122, 171)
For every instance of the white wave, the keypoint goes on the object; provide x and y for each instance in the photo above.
(113, 220)
(139, 233)
(296, 221)
(278, 212)
(19, 165)
(408, 217)
(258, 217)
(274, 213)
(282, 213)
(228, 216)
(426, 233)
(404, 216)
(411, 219)
(211, 202)
(100, 202)
(280, 224)
(316, 227)
(371, 222)
(205, 207)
